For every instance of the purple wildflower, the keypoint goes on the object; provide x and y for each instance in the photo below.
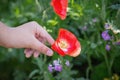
(95, 20)
(50, 68)
(56, 62)
(67, 63)
(117, 43)
(84, 28)
(107, 26)
(105, 35)
(58, 68)
(107, 47)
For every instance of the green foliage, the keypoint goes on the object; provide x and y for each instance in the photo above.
(97, 72)
(86, 19)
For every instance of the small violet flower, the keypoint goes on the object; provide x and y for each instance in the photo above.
(84, 28)
(107, 47)
(95, 20)
(58, 68)
(50, 68)
(105, 35)
(56, 62)
(67, 63)
(117, 43)
(107, 26)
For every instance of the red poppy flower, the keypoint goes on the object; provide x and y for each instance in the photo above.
(60, 7)
(66, 44)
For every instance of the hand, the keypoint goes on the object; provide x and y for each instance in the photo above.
(30, 36)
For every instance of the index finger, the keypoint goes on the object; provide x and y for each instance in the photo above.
(46, 35)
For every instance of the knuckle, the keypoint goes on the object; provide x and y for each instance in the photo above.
(43, 49)
(33, 22)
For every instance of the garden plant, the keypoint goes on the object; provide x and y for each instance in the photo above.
(87, 40)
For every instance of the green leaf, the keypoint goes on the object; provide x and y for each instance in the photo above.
(116, 64)
(33, 73)
(116, 6)
(52, 22)
(99, 72)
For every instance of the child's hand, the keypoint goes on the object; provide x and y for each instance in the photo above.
(30, 36)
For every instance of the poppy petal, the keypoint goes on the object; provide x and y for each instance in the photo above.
(56, 48)
(60, 7)
(69, 37)
(77, 51)
(66, 44)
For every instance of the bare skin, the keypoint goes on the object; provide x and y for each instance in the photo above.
(30, 36)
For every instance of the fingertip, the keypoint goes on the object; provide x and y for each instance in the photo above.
(36, 54)
(49, 53)
(52, 41)
(42, 48)
(27, 55)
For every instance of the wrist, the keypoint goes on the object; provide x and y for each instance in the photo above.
(4, 34)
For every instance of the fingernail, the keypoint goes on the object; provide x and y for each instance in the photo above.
(36, 54)
(49, 53)
(27, 55)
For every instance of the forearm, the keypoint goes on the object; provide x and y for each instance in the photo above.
(4, 33)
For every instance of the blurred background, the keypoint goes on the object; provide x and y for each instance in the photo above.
(87, 19)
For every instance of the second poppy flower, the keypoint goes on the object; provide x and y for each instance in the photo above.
(60, 7)
(66, 44)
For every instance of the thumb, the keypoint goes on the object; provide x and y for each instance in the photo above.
(37, 45)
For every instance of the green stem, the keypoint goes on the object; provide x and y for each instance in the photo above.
(72, 2)
(37, 3)
(89, 66)
(111, 62)
(107, 64)
(87, 73)
(45, 58)
(103, 11)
